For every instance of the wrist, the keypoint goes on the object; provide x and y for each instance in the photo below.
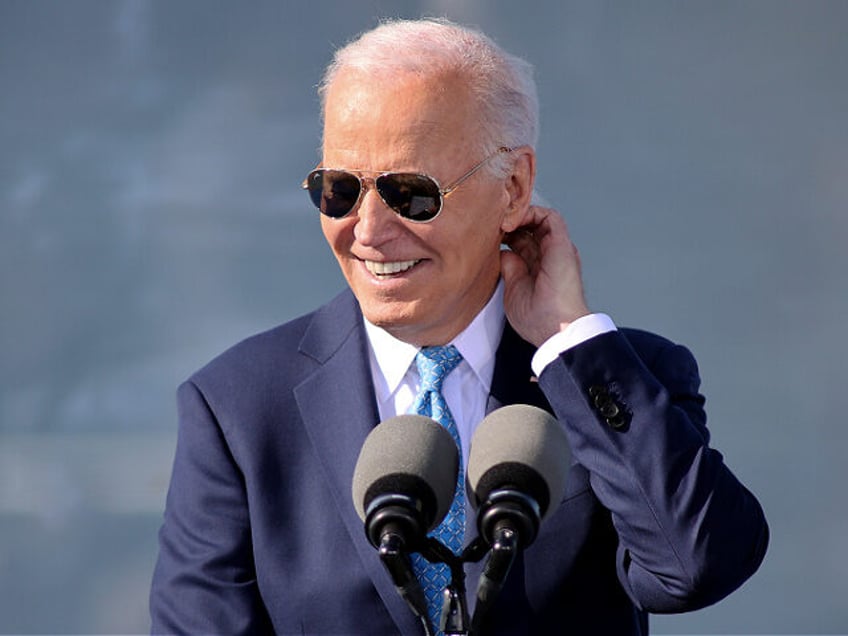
(570, 335)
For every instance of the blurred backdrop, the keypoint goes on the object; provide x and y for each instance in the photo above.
(151, 154)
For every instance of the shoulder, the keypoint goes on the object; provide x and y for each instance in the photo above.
(282, 350)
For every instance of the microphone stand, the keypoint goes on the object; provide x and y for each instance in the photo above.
(396, 561)
(393, 525)
(508, 521)
(454, 620)
(393, 550)
(503, 552)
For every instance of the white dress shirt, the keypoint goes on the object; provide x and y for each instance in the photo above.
(466, 388)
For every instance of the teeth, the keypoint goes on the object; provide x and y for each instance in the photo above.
(387, 269)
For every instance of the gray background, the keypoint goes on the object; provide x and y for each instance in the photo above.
(150, 215)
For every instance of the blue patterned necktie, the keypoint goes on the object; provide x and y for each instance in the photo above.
(434, 363)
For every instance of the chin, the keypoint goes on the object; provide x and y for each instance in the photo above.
(394, 325)
(402, 322)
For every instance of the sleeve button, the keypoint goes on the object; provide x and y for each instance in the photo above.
(610, 410)
(617, 422)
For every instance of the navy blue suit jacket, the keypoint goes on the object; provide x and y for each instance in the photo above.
(260, 533)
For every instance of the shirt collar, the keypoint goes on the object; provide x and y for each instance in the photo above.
(477, 343)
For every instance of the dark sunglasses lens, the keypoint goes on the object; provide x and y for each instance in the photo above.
(415, 197)
(334, 192)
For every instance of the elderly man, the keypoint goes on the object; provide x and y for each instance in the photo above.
(427, 170)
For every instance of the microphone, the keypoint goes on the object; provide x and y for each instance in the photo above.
(408, 463)
(403, 485)
(517, 470)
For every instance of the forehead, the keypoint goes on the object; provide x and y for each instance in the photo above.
(377, 119)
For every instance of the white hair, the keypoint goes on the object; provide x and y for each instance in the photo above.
(501, 85)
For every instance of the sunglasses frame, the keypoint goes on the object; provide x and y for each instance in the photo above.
(366, 182)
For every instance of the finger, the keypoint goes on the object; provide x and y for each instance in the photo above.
(521, 237)
(526, 245)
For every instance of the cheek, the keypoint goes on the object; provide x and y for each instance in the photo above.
(480, 234)
(474, 251)
(337, 233)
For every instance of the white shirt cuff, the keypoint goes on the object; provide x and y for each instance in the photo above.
(576, 333)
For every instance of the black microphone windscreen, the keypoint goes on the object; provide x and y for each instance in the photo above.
(408, 455)
(520, 447)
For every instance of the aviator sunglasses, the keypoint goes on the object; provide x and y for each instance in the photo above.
(415, 197)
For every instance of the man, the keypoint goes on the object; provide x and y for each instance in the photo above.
(260, 532)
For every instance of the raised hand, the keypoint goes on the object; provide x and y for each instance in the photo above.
(543, 288)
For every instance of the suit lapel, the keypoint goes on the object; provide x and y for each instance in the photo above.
(338, 409)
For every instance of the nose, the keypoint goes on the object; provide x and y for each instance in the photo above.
(376, 223)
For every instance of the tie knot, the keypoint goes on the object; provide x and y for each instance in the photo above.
(434, 363)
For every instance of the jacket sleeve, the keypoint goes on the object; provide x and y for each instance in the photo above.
(204, 581)
(689, 532)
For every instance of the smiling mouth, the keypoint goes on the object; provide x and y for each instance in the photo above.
(385, 269)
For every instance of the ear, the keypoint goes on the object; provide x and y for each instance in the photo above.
(519, 188)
